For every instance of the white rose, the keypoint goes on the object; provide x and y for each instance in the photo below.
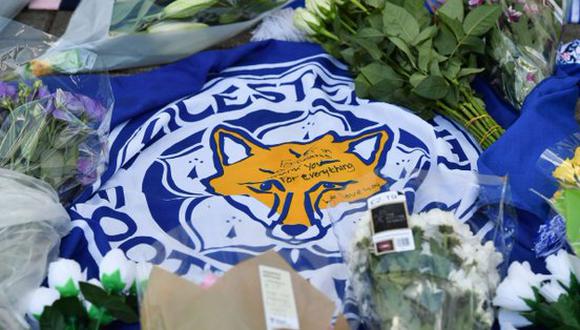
(321, 8)
(64, 276)
(116, 272)
(186, 8)
(306, 21)
(39, 299)
(175, 26)
(560, 265)
(511, 320)
(517, 286)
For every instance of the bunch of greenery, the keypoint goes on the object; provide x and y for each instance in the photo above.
(403, 54)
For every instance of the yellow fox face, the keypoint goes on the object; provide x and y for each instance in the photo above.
(297, 180)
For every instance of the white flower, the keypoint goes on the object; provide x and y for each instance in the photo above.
(41, 298)
(64, 275)
(552, 291)
(511, 320)
(321, 8)
(306, 21)
(517, 286)
(171, 26)
(186, 8)
(560, 265)
(116, 272)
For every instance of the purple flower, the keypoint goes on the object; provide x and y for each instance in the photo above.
(78, 104)
(42, 92)
(476, 3)
(531, 77)
(87, 172)
(7, 90)
(513, 15)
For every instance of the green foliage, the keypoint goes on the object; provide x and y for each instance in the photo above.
(400, 53)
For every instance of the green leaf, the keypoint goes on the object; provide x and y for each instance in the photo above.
(432, 88)
(469, 71)
(70, 307)
(52, 319)
(397, 22)
(362, 85)
(454, 25)
(452, 97)
(474, 44)
(400, 43)
(425, 56)
(370, 33)
(452, 9)
(370, 47)
(119, 309)
(481, 19)
(93, 294)
(452, 69)
(445, 41)
(427, 33)
(416, 78)
(418, 10)
(375, 73)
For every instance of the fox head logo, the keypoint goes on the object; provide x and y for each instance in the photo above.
(295, 181)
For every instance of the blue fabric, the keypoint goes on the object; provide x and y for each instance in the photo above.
(547, 117)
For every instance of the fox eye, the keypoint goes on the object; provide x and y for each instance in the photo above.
(266, 186)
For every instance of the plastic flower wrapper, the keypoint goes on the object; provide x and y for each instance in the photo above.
(550, 301)
(52, 144)
(449, 279)
(136, 33)
(562, 163)
(523, 46)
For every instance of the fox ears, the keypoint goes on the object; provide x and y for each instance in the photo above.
(232, 146)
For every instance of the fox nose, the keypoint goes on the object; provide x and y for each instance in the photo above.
(294, 230)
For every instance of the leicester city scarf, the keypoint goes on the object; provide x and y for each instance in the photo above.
(262, 147)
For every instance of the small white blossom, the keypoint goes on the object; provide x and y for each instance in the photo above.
(323, 9)
(552, 291)
(517, 286)
(175, 26)
(511, 320)
(560, 265)
(116, 272)
(64, 276)
(39, 299)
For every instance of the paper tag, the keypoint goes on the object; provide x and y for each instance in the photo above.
(390, 226)
(278, 299)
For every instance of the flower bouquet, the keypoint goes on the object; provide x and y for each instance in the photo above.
(447, 282)
(549, 301)
(52, 143)
(523, 46)
(402, 54)
(563, 163)
(71, 302)
(145, 15)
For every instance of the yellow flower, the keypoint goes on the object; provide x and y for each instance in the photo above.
(40, 68)
(557, 195)
(565, 172)
(576, 159)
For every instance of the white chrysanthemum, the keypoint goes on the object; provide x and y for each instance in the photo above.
(39, 299)
(306, 21)
(517, 286)
(64, 276)
(560, 265)
(116, 272)
(321, 8)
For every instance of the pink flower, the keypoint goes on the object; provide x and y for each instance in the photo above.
(565, 56)
(531, 8)
(531, 77)
(475, 3)
(513, 15)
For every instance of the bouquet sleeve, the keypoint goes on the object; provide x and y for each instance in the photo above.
(449, 278)
(53, 141)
